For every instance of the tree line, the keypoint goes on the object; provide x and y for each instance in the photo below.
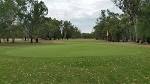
(132, 25)
(27, 19)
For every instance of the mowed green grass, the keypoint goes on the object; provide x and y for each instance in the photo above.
(75, 62)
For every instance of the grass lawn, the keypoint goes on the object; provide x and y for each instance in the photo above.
(75, 62)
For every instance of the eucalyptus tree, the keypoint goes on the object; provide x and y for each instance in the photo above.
(46, 29)
(33, 18)
(1, 18)
(100, 32)
(38, 12)
(55, 29)
(23, 13)
(144, 22)
(8, 17)
(70, 31)
(132, 8)
(76, 33)
(112, 27)
(51, 29)
(137, 11)
(67, 29)
(127, 32)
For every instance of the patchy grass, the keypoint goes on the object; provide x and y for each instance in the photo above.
(75, 62)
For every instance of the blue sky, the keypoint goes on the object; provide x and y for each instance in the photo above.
(82, 13)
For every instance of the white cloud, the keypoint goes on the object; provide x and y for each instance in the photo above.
(82, 13)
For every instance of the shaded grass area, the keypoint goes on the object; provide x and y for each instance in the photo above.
(75, 62)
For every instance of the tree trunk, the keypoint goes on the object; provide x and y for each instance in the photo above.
(31, 40)
(0, 40)
(135, 26)
(142, 40)
(148, 40)
(25, 38)
(7, 40)
(37, 40)
(67, 38)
